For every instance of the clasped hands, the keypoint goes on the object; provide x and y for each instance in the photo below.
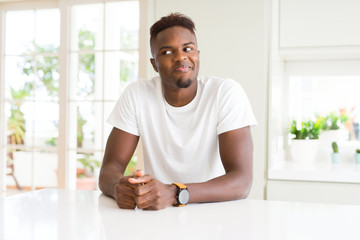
(144, 192)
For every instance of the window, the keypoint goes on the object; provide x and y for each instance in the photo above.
(103, 60)
(316, 90)
(82, 80)
(31, 103)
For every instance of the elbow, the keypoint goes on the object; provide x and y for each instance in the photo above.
(246, 192)
(102, 182)
(243, 187)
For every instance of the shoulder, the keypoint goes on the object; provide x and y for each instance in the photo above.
(220, 85)
(142, 85)
(149, 83)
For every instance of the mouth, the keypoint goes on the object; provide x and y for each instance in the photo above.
(182, 68)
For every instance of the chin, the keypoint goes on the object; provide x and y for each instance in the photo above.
(184, 83)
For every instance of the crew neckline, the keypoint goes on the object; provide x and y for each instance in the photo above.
(188, 106)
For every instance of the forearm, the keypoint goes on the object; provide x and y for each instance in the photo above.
(231, 186)
(108, 179)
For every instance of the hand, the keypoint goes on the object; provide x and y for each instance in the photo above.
(125, 191)
(151, 194)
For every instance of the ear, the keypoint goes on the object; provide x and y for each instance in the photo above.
(153, 64)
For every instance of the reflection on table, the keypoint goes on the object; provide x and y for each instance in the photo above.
(66, 214)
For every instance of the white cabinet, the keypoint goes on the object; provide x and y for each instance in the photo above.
(319, 23)
(319, 192)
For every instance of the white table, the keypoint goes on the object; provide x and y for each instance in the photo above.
(62, 214)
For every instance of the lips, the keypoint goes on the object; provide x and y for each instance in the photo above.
(182, 68)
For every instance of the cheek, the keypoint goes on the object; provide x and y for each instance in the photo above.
(195, 58)
(163, 65)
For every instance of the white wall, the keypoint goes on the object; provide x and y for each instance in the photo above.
(232, 43)
(320, 23)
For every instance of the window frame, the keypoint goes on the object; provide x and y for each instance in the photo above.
(66, 166)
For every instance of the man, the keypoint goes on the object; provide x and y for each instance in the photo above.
(195, 131)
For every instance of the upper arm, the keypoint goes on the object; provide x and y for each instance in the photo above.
(120, 147)
(236, 151)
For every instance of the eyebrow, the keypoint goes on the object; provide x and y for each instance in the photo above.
(167, 47)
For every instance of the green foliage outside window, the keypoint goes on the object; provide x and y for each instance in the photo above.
(47, 71)
(16, 121)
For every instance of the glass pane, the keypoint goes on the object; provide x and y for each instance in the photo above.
(89, 125)
(19, 118)
(46, 122)
(47, 30)
(333, 102)
(19, 77)
(319, 95)
(45, 169)
(47, 86)
(19, 32)
(88, 76)
(87, 27)
(108, 107)
(122, 25)
(87, 170)
(121, 68)
(19, 165)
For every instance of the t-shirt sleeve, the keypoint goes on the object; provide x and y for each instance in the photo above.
(234, 109)
(123, 116)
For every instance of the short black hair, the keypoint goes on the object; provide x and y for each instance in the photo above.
(171, 20)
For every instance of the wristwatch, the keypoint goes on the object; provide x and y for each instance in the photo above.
(182, 195)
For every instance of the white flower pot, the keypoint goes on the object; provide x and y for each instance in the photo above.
(329, 136)
(304, 150)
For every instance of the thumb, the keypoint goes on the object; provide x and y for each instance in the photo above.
(138, 173)
(140, 180)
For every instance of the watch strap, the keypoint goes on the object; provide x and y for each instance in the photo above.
(180, 187)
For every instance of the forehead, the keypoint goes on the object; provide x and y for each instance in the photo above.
(173, 36)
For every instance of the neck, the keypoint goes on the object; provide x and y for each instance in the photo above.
(180, 97)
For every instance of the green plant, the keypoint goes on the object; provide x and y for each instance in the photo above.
(131, 167)
(88, 166)
(305, 130)
(357, 150)
(335, 147)
(332, 121)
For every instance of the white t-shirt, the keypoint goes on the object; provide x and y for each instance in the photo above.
(180, 144)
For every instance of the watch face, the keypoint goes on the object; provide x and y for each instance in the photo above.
(184, 196)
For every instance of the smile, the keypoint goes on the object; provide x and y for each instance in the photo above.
(182, 68)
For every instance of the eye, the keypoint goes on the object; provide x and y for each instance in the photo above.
(188, 49)
(166, 52)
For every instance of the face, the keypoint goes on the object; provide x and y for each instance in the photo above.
(175, 57)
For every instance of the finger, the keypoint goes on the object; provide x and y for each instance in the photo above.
(143, 189)
(138, 180)
(138, 173)
(144, 202)
(125, 201)
(126, 205)
(125, 187)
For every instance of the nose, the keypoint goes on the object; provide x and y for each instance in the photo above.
(180, 56)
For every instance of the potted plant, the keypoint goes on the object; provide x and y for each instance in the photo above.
(332, 127)
(357, 156)
(335, 155)
(304, 143)
(85, 172)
